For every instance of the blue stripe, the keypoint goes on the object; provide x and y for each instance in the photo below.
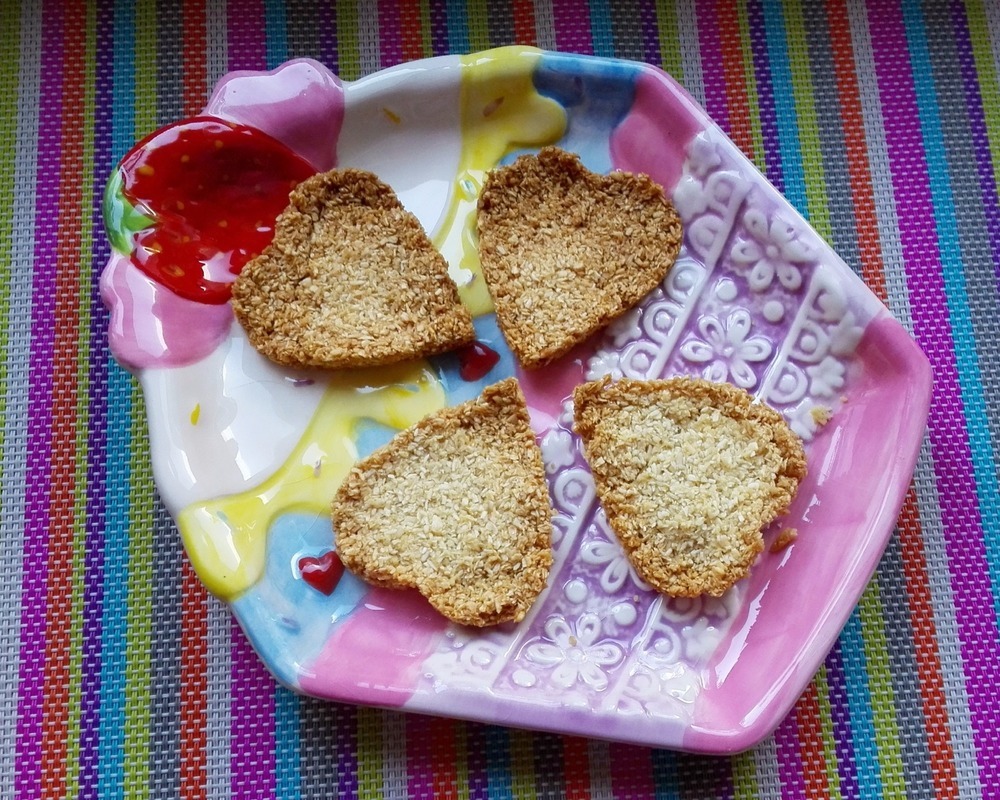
(859, 701)
(784, 108)
(501, 786)
(601, 30)
(114, 622)
(970, 379)
(276, 43)
(458, 27)
(665, 774)
(286, 744)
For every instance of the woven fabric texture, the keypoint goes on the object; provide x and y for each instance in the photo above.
(121, 677)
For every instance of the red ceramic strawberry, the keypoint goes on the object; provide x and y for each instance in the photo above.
(213, 190)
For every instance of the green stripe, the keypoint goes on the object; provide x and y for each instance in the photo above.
(349, 49)
(829, 736)
(670, 41)
(426, 43)
(370, 755)
(989, 88)
(462, 759)
(750, 76)
(745, 786)
(478, 14)
(808, 124)
(872, 616)
(523, 765)
(10, 63)
(139, 617)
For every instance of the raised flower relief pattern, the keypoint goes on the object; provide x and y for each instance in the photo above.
(773, 250)
(463, 659)
(558, 450)
(727, 348)
(617, 568)
(574, 654)
(827, 377)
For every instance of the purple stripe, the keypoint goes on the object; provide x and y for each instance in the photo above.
(419, 762)
(30, 719)
(573, 28)
(252, 759)
(789, 757)
(765, 95)
(329, 49)
(712, 70)
(246, 34)
(346, 752)
(93, 565)
(389, 34)
(950, 448)
(840, 718)
(650, 32)
(977, 129)
(439, 29)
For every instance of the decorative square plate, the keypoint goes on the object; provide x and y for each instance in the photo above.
(247, 455)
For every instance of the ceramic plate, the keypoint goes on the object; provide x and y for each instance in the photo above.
(247, 455)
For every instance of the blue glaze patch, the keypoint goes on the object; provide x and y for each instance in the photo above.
(369, 436)
(597, 95)
(288, 620)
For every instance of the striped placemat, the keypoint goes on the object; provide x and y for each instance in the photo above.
(121, 677)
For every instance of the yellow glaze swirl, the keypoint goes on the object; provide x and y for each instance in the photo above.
(226, 538)
(501, 112)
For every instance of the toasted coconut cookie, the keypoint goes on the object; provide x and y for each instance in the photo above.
(564, 251)
(457, 507)
(688, 472)
(350, 280)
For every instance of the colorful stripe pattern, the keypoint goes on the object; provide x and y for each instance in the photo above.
(122, 678)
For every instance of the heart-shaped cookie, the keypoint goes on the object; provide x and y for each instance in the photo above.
(349, 280)
(688, 472)
(564, 250)
(456, 507)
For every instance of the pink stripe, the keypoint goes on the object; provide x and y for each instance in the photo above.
(572, 23)
(246, 34)
(390, 35)
(34, 599)
(950, 448)
(712, 69)
(252, 748)
(631, 771)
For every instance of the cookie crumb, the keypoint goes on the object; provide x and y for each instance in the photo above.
(820, 415)
(784, 538)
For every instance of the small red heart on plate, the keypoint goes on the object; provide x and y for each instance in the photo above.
(322, 572)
